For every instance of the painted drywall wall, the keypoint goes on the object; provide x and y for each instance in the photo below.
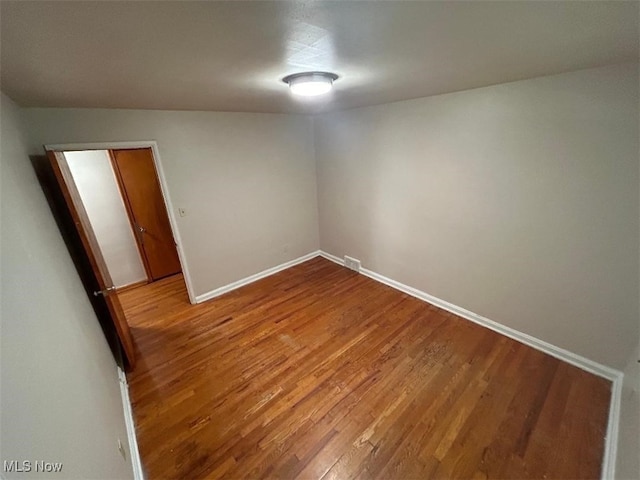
(60, 392)
(628, 464)
(518, 202)
(98, 188)
(246, 181)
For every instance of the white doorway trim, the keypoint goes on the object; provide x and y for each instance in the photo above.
(164, 188)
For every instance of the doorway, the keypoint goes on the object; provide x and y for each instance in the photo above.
(117, 200)
(120, 192)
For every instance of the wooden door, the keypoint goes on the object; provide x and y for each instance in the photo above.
(90, 244)
(140, 187)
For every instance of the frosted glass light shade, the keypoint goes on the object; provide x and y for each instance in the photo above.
(310, 84)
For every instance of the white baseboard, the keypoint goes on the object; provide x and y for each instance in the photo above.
(134, 453)
(245, 281)
(611, 440)
(333, 258)
(616, 377)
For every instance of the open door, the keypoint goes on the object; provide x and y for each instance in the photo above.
(90, 244)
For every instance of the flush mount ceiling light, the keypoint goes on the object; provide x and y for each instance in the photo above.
(310, 84)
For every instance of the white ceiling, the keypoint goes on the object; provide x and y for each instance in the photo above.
(231, 56)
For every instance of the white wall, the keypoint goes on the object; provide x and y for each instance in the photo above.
(60, 393)
(98, 188)
(247, 181)
(518, 202)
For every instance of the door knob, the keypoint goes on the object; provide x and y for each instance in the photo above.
(105, 292)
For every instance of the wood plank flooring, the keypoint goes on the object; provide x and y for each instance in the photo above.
(320, 373)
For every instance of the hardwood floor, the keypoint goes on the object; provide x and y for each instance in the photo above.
(318, 372)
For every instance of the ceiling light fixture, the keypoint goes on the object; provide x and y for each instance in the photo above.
(310, 84)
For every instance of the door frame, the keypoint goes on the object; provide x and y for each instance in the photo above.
(164, 189)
